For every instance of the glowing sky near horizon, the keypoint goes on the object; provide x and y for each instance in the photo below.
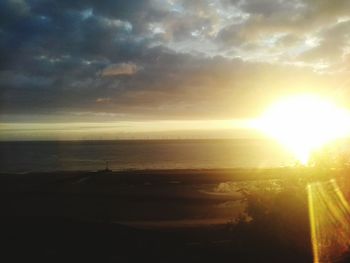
(189, 129)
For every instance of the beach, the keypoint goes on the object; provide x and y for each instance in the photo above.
(187, 215)
(133, 196)
(162, 215)
(150, 198)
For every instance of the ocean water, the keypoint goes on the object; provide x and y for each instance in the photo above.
(141, 154)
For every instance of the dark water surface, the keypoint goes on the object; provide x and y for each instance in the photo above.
(140, 154)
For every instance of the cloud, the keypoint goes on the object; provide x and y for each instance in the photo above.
(199, 59)
(103, 100)
(120, 69)
(334, 44)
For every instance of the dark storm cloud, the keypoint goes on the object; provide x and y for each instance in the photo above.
(154, 58)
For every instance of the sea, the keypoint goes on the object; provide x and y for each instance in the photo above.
(45, 156)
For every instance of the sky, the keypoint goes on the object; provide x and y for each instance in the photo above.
(90, 69)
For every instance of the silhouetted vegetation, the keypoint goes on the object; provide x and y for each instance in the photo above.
(275, 223)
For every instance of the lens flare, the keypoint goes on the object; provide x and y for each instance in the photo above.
(329, 214)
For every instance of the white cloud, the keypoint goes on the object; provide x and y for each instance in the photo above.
(103, 100)
(120, 69)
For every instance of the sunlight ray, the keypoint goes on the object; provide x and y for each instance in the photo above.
(329, 214)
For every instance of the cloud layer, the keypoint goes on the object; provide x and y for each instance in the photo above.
(175, 59)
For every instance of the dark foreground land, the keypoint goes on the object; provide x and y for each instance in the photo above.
(156, 216)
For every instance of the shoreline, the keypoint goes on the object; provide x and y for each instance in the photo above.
(156, 170)
(165, 170)
(237, 173)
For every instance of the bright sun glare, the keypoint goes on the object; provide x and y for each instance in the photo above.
(305, 123)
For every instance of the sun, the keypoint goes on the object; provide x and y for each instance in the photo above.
(304, 123)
